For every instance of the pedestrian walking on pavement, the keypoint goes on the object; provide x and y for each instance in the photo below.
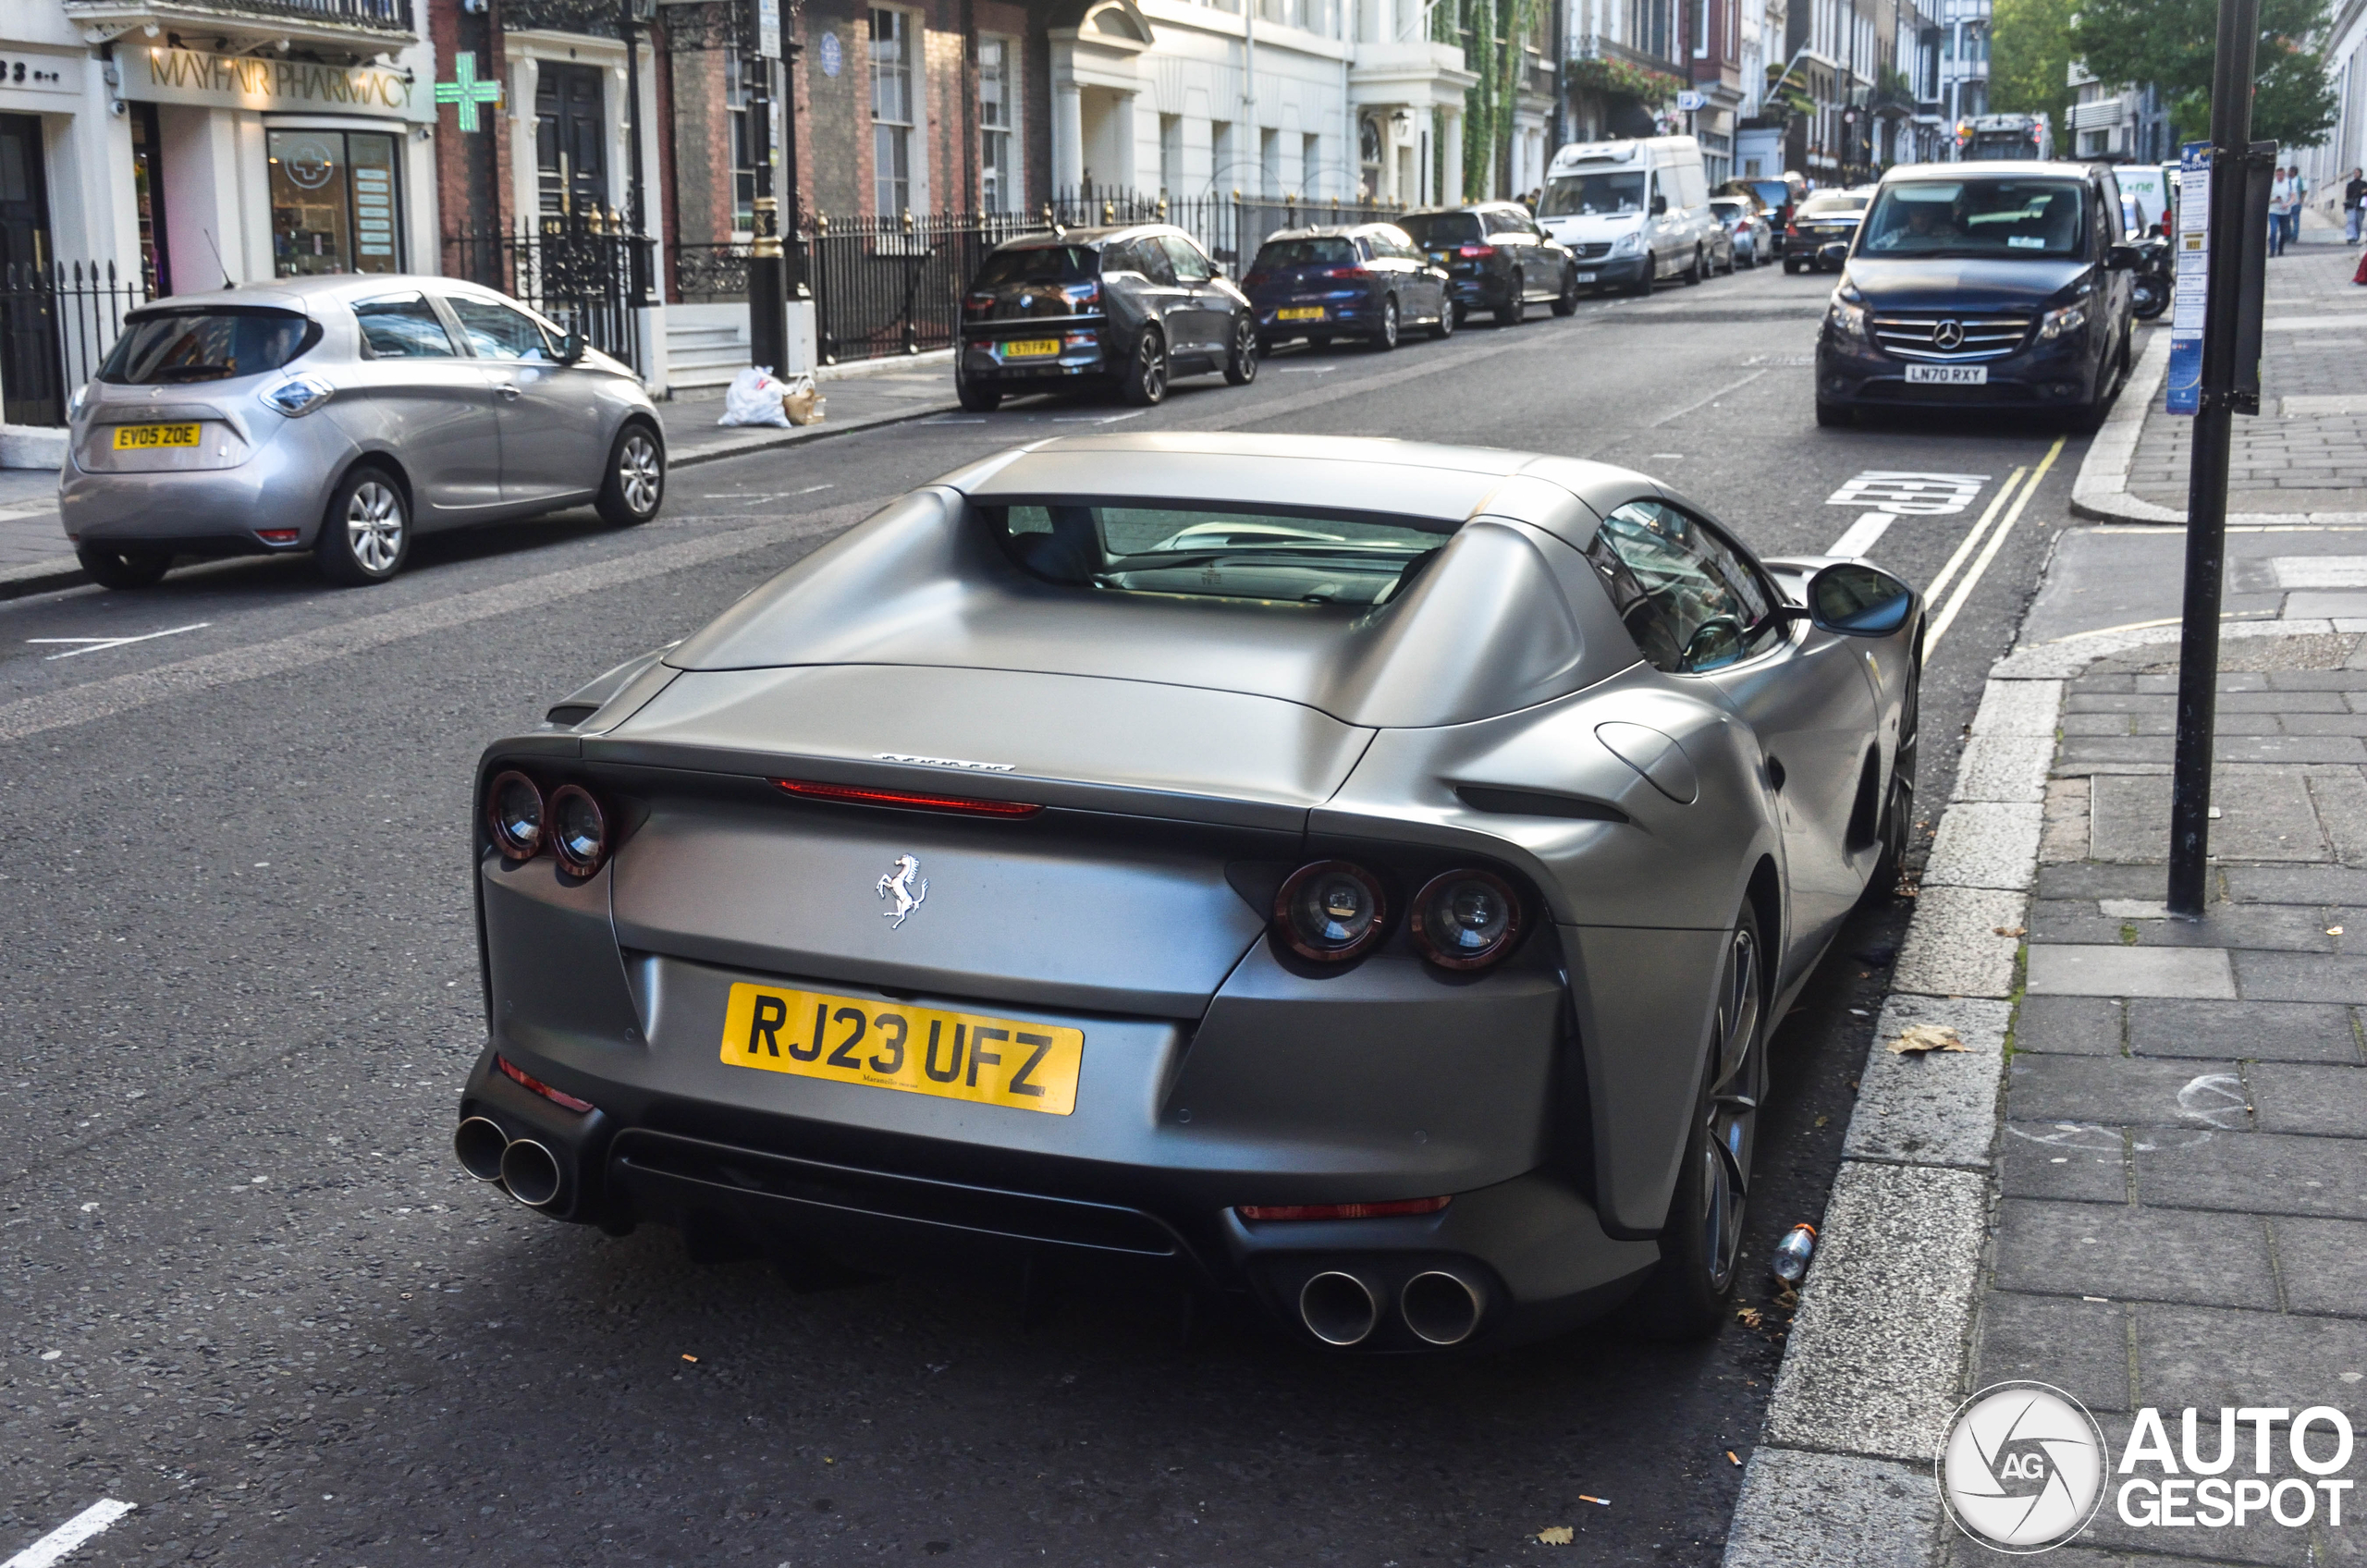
(2354, 198)
(2301, 183)
(2280, 203)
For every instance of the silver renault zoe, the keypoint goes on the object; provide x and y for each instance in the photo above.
(343, 415)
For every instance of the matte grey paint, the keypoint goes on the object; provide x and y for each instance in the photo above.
(1188, 754)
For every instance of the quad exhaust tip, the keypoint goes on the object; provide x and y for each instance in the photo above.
(1338, 1308)
(1440, 1308)
(478, 1146)
(531, 1173)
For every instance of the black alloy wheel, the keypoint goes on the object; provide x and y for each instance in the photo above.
(1242, 354)
(1685, 1296)
(1144, 381)
(110, 567)
(1514, 310)
(1386, 338)
(1565, 304)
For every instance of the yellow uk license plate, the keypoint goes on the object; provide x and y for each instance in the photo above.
(139, 437)
(1031, 349)
(1300, 313)
(955, 1056)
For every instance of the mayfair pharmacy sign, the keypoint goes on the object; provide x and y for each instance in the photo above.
(234, 81)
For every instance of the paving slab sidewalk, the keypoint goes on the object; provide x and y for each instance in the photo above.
(35, 558)
(2304, 456)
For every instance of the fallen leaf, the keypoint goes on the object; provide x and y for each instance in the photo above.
(1557, 1535)
(1822, 1120)
(1749, 1315)
(1787, 1298)
(1927, 1037)
(2010, 930)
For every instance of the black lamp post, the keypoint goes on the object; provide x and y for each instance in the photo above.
(632, 17)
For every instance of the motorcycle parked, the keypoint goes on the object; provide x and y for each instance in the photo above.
(2150, 279)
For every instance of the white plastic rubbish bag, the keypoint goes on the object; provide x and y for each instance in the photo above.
(754, 397)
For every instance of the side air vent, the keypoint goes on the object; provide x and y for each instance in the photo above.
(1536, 802)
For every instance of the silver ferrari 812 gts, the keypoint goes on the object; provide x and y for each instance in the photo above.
(1354, 877)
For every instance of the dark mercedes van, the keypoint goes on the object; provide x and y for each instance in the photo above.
(1983, 285)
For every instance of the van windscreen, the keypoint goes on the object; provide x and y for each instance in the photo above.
(1579, 195)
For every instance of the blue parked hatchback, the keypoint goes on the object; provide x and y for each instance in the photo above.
(1361, 280)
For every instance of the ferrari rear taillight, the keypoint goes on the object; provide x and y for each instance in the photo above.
(862, 795)
(510, 1070)
(1331, 911)
(514, 816)
(1466, 919)
(1342, 1210)
(578, 829)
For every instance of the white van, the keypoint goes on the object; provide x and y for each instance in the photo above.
(1633, 212)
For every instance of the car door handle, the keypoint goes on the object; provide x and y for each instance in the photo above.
(1774, 770)
(508, 389)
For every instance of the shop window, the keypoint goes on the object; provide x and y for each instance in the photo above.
(892, 111)
(335, 202)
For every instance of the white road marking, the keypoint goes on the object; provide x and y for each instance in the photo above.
(1890, 493)
(101, 644)
(69, 1537)
(1989, 551)
(1862, 535)
(137, 689)
(1734, 386)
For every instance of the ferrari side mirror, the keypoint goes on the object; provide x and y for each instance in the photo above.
(1858, 601)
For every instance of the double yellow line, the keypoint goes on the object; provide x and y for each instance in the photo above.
(2014, 491)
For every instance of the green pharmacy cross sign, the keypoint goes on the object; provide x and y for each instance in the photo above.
(468, 91)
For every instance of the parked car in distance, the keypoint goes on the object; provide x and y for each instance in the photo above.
(1819, 234)
(1747, 229)
(1361, 280)
(343, 415)
(1779, 195)
(1984, 285)
(1129, 308)
(1634, 210)
(1496, 258)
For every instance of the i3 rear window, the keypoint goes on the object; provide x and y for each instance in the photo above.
(1287, 560)
(212, 343)
(1039, 263)
(1326, 252)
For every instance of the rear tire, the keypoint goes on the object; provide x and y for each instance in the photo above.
(112, 568)
(635, 486)
(976, 399)
(1685, 1296)
(1144, 381)
(1693, 274)
(1565, 304)
(1898, 811)
(1386, 338)
(365, 538)
(1448, 319)
(1514, 310)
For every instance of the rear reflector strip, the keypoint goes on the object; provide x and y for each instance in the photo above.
(856, 795)
(510, 1070)
(1342, 1210)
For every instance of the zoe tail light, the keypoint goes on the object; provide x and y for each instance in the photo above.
(1331, 911)
(514, 814)
(579, 830)
(1466, 919)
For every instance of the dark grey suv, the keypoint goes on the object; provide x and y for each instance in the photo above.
(1131, 308)
(1497, 259)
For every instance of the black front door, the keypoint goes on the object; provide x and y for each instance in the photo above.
(30, 392)
(571, 138)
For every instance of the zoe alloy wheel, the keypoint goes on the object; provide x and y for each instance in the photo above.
(635, 482)
(366, 536)
(1685, 1297)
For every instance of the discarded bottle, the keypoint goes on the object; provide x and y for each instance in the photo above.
(1790, 1263)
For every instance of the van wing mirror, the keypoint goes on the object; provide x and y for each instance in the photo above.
(1659, 205)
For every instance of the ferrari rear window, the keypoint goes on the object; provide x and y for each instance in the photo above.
(1281, 559)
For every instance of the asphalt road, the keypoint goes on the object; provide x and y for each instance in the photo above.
(246, 1289)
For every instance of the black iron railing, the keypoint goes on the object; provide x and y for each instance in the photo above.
(887, 286)
(378, 15)
(57, 325)
(584, 273)
(703, 275)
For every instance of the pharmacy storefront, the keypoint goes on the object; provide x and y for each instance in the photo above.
(269, 166)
